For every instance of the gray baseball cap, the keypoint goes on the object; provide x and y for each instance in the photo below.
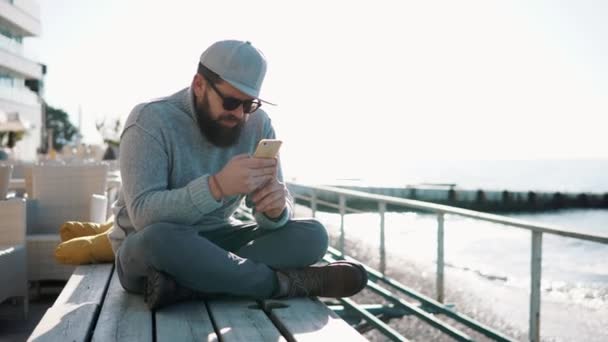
(239, 63)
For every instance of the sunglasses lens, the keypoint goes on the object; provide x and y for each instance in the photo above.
(231, 103)
(249, 106)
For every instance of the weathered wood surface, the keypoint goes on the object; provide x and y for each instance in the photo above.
(124, 316)
(87, 284)
(308, 319)
(66, 323)
(242, 320)
(188, 321)
(94, 306)
(72, 316)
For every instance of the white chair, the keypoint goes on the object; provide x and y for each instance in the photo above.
(13, 251)
(61, 193)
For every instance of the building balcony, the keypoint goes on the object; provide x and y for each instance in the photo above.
(11, 45)
(19, 95)
(19, 66)
(21, 17)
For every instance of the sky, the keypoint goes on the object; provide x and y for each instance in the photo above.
(361, 86)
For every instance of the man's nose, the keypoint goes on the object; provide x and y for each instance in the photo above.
(239, 112)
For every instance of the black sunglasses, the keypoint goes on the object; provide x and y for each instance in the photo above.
(231, 103)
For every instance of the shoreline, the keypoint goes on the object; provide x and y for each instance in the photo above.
(420, 279)
(493, 302)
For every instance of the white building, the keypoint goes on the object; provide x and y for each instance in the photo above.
(20, 19)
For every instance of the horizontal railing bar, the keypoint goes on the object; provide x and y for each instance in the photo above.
(425, 316)
(373, 320)
(374, 309)
(440, 208)
(306, 198)
(355, 211)
(336, 206)
(330, 204)
(429, 304)
(389, 311)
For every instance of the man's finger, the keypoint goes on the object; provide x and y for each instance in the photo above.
(258, 163)
(259, 194)
(259, 181)
(263, 191)
(263, 171)
(270, 202)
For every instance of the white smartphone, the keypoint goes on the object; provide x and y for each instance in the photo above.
(267, 148)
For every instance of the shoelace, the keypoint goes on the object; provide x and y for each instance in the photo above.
(151, 289)
(305, 281)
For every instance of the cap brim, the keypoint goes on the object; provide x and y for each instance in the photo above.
(270, 103)
(247, 90)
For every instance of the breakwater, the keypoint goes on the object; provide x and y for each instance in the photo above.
(474, 199)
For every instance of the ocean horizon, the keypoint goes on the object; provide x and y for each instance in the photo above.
(550, 175)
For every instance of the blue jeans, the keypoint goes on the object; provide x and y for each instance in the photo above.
(235, 260)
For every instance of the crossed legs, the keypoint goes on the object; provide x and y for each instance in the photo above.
(236, 260)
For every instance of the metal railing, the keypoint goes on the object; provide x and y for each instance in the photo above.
(310, 193)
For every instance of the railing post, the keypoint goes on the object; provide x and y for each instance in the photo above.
(381, 210)
(440, 258)
(313, 203)
(535, 278)
(342, 212)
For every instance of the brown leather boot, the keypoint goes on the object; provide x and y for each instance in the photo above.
(336, 279)
(162, 290)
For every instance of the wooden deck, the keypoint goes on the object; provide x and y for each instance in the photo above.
(94, 306)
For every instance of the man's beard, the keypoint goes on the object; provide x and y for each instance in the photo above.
(217, 134)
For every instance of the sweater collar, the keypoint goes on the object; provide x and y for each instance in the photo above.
(184, 99)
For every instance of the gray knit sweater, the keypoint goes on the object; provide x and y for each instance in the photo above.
(165, 162)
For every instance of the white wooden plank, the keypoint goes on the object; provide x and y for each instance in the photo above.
(71, 318)
(187, 321)
(66, 322)
(308, 319)
(235, 320)
(124, 316)
(86, 285)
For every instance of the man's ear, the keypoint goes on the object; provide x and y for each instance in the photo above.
(199, 85)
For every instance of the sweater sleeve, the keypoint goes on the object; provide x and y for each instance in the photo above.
(266, 222)
(144, 167)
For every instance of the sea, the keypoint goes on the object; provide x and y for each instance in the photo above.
(574, 272)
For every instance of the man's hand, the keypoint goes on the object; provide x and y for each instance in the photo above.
(271, 199)
(243, 174)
